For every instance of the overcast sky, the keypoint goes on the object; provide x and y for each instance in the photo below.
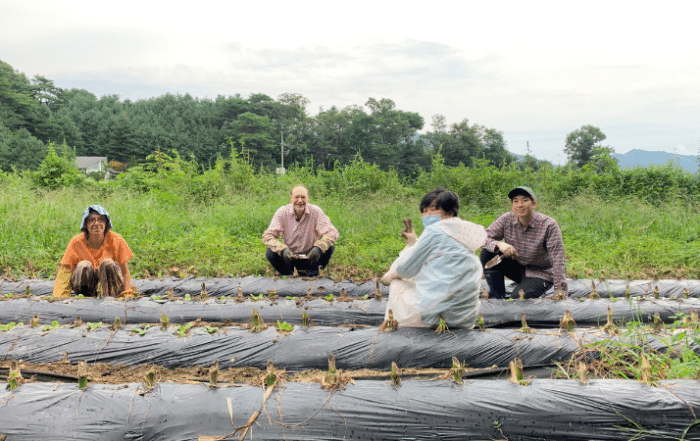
(535, 70)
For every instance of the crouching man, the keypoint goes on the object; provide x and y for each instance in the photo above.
(308, 237)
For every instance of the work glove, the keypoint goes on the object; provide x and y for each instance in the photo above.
(287, 256)
(315, 254)
(508, 250)
(408, 233)
(388, 277)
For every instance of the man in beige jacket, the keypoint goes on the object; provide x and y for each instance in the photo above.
(308, 237)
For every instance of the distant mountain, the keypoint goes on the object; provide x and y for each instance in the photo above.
(646, 158)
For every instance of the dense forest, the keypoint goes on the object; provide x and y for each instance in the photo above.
(35, 112)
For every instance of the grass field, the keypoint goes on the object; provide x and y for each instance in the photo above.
(172, 233)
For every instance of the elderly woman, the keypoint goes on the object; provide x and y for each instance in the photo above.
(95, 261)
(437, 275)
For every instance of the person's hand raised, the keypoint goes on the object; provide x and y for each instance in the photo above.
(408, 233)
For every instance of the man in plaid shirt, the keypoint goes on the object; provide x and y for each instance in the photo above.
(532, 248)
(308, 237)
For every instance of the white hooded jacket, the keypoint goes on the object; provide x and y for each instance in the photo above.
(439, 276)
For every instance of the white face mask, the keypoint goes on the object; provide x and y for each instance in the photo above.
(431, 219)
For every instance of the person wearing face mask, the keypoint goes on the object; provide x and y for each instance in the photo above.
(525, 246)
(437, 275)
(307, 234)
(95, 258)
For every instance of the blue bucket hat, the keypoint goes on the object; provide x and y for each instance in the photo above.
(99, 209)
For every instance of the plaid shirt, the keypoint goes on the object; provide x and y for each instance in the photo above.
(540, 246)
(314, 229)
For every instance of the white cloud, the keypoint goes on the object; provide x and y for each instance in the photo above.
(535, 70)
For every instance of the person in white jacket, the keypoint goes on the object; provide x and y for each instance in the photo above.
(438, 274)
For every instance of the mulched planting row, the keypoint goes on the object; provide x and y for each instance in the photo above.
(538, 312)
(299, 287)
(368, 410)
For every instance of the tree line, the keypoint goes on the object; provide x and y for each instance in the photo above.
(34, 112)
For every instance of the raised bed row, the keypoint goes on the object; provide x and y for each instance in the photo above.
(298, 287)
(538, 312)
(300, 349)
(368, 410)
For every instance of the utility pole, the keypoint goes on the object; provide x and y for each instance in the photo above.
(280, 170)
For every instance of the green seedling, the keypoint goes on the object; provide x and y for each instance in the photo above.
(27, 291)
(395, 372)
(686, 293)
(334, 379)
(9, 326)
(457, 371)
(187, 298)
(51, 327)
(657, 293)
(581, 299)
(613, 299)
(258, 297)
(290, 297)
(305, 320)
(82, 374)
(628, 292)
(610, 326)
(141, 331)
(567, 322)
(93, 326)
(442, 326)
(658, 323)
(516, 373)
(164, 322)
(157, 297)
(182, 330)
(8, 295)
(364, 297)
(15, 376)
(390, 324)
(480, 323)
(270, 375)
(256, 322)
(149, 380)
(525, 329)
(329, 297)
(211, 329)
(223, 298)
(284, 326)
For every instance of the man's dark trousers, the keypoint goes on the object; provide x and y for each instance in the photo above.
(511, 268)
(303, 266)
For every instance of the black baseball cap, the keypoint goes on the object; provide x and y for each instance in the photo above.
(522, 191)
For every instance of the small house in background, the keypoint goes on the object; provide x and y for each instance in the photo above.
(93, 164)
(90, 164)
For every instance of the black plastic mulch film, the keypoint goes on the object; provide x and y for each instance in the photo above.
(298, 287)
(367, 410)
(439, 409)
